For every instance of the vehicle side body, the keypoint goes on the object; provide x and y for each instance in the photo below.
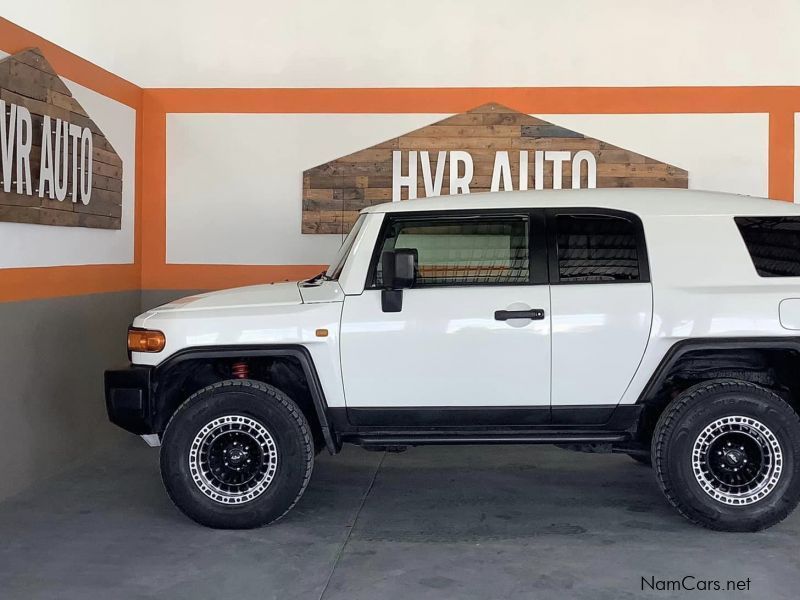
(593, 364)
(702, 298)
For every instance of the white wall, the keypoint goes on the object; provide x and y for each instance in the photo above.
(262, 43)
(722, 152)
(234, 182)
(25, 245)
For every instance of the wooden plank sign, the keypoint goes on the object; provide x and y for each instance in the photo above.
(56, 165)
(489, 148)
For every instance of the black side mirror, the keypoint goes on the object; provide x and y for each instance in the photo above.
(399, 268)
(399, 272)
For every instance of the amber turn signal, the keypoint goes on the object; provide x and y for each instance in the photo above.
(145, 340)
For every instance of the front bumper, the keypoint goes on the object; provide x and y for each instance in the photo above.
(128, 393)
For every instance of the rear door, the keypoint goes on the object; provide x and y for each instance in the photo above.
(454, 355)
(602, 307)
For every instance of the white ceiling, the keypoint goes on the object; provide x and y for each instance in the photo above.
(352, 43)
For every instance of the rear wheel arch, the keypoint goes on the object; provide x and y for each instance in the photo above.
(768, 362)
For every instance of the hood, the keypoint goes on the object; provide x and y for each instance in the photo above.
(271, 294)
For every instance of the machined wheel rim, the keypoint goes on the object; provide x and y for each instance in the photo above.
(737, 460)
(233, 459)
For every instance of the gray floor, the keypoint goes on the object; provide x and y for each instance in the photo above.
(459, 522)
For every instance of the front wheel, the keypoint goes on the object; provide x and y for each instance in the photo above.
(727, 455)
(237, 454)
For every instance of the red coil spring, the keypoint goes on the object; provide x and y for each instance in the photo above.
(240, 370)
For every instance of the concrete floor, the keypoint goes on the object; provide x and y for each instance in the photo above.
(437, 522)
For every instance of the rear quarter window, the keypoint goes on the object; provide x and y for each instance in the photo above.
(773, 244)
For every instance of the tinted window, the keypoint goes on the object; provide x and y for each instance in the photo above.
(453, 251)
(773, 244)
(596, 248)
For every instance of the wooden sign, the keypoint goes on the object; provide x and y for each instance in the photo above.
(489, 148)
(56, 166)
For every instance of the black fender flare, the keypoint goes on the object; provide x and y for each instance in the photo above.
(682, 347)
(298, 352)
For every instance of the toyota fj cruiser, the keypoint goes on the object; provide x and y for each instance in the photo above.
(664, 324)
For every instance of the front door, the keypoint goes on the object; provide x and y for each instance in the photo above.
(471, 345)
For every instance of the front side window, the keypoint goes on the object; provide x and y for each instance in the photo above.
(452, 251)
(597, 248)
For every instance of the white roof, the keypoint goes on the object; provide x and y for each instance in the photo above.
(643, 202)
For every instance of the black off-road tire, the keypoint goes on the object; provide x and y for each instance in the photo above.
(277, 414)
(680, 426)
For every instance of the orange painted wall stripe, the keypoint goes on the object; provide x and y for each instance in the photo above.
(14, 38)
(214, 277)
(154, 195)
(545, 100)
(779, 102)
(49, 282)
(781, 155)
(150, 270)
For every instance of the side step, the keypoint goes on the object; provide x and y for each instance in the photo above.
(443, 438)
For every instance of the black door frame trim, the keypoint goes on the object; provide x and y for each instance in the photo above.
(537, 240)
(552, 214)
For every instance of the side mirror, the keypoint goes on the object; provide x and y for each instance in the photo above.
(399, 272)
(399, 268)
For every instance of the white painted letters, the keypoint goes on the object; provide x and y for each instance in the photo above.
(503, 178)
(61, 154)
(459, 184)
(46, 168)
(558, 157)
(591, 169)
(23, 150)
(87, 149)
(8, 130)
(399, 180)
(66, 156)
(501, 170)
(433, 188)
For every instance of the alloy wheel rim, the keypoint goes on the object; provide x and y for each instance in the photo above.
(233, 459)
(737, 460)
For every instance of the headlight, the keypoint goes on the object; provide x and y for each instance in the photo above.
(145, 340)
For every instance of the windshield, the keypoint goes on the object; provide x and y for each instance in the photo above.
(337, 265)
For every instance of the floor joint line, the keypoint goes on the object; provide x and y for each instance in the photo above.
(352, 527)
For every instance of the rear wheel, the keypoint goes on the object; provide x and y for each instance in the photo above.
(237, 454)
(727, 455)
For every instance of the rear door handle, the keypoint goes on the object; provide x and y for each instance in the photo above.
(536, 314)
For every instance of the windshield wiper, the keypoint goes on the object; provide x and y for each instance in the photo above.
(321, 276)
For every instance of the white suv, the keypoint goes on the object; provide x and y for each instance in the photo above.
(663, 324)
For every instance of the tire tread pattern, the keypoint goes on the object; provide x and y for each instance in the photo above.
(667, 421)
(279, 397)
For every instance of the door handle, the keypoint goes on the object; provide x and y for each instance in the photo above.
(535, 314)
